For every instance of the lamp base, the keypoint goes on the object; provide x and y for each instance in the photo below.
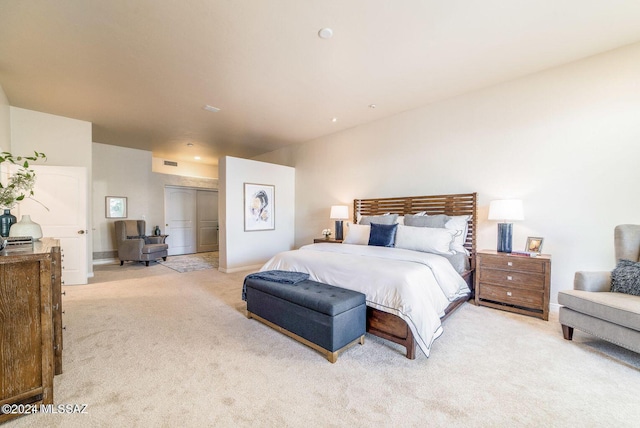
(505, 233)
(339, 230)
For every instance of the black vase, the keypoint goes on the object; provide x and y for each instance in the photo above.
(6, 220)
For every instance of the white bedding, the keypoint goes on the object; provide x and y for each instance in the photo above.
(413, 285)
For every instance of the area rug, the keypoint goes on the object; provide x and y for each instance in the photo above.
(192, 262)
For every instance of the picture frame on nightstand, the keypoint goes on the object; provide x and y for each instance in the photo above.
(534, 244)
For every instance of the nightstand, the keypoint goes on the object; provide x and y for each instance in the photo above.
(327, 240)
(513, 283)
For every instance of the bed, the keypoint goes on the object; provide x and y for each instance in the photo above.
(410, 291)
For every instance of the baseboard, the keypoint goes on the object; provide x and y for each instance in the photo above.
(240, 269)
(104, 261)
(554, 307)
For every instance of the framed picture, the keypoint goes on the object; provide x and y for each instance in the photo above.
(259, 207)
(115, 207)
(534, 244)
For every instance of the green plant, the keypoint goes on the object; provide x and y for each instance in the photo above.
(20, 183)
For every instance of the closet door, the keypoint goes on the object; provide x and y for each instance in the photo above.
(180, 220)
(207, 215)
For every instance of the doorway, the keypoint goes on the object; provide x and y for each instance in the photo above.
(60, 207)
(191, 220)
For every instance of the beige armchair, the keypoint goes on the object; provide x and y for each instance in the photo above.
(133, 245)
(592, 307)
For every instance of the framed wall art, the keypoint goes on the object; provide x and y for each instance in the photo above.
(259, 207)
(115, 207)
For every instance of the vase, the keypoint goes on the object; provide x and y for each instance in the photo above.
(6, 220)
(26, 227)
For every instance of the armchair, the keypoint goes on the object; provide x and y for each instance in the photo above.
(592, 307)
(133, 245)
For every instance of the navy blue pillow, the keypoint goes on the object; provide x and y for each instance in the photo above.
(383, 235)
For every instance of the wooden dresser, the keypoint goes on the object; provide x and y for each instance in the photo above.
(30, 324)
(513, 283)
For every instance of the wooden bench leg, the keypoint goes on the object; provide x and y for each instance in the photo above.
(332, 357)
(567, 332)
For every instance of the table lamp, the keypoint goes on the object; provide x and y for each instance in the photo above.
(505, 210)
(339, 213)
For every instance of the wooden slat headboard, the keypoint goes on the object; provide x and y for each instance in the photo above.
(455, 204)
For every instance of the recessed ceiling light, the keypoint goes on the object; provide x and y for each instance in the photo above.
(334, 119)
(211, 108)
(189, 144)
(325, 33)
(196, 157)
(372, 106)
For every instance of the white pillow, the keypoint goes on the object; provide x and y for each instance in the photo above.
(400, 220)
(357, 234)
(460, 225)
(426, 239)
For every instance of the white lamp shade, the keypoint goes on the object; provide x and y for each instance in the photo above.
(506, 209)
(339, 212)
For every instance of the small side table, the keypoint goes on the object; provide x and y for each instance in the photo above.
(162, 237)
(327, 240)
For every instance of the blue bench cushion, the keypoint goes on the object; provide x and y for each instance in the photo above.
(317, 296)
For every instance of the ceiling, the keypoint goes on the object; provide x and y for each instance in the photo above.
(141, 71)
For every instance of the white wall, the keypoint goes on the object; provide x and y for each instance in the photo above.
(120, 171)
(65, 141)
(566, 141)
(5, 122)
(242, 250)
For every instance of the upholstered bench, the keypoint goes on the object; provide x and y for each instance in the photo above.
(321, 316)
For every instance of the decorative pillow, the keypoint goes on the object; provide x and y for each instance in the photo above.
(379, 219)
(625, 278)
(357, 234)
(426, 220)
(425, 239)
(383, 235)
(460, 224)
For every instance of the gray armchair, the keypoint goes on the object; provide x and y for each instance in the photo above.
(134, 245)
(592, 307)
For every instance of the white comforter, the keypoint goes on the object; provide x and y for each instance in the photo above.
(413, 285)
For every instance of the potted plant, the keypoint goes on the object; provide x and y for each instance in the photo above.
(17, 186)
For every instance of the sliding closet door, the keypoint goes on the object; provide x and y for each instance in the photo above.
(180, 220)
(207, 215)
(191, 220)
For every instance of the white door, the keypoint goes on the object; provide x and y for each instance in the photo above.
(63, 191)
(207, 209)
(180, 220)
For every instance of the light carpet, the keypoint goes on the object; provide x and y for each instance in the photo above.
(173, 349)
(192, 262)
